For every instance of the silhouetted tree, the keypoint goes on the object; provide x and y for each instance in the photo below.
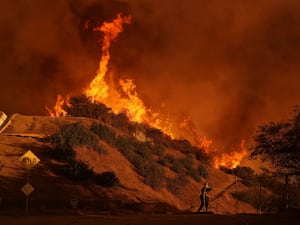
(279, 143)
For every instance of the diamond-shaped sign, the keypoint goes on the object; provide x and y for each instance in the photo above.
(27, 189)
(29, 159)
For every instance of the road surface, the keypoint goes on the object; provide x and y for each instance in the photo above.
(143, 219)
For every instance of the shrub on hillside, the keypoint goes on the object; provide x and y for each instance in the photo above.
(168, 159)
(129, 145)
(171, 162)
(126, 143)
(225, 169)
(104, 133)
(176, 184)
(187, 163)
(155, 134)
(107, 179)
(77, 170)
(198, 173)
(192, 156)
(183, 145)
(82, 106)
(122, 122)
(177, 166)
(144, 150)
(153, 174)
(243, 171)
(162, 161)
(203, 172)
(194, 173)
(63, 153)
(100, 149)
(140, 155)
(158, 149)
(71, 135)
(203, 157)
(158, 137)
(239, 171)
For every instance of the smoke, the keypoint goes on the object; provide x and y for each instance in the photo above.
(229, 66)
(46, 50)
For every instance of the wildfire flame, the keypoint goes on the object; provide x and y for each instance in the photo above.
(201, 142)
(231, 160)
(129, 102)
(99, 91)
(58, 108)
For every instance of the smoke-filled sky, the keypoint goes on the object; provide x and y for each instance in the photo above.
(228, 65)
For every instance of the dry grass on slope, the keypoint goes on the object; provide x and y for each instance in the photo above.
(132, 184)
(187, 198)
(52, 187)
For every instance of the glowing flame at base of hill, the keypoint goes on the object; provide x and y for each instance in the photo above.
(231, 160)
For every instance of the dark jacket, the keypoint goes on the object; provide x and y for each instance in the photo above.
(204, 193)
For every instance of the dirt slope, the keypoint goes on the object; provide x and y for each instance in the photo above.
(52, 190)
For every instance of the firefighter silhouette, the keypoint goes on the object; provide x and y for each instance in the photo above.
(204, 199)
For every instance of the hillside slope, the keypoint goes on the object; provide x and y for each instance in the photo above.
(53, 190)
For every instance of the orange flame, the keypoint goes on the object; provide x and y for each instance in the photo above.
(231, 160)
(201, 142)
(58, 108)
(98, 89)
(129, 102)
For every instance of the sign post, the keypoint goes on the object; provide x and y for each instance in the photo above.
(28, 160)
(27, 189)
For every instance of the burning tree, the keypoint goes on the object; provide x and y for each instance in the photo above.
(279, 143)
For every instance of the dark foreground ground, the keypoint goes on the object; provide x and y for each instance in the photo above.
(143, 219)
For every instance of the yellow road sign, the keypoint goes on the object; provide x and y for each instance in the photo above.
(27, 189)
(29, 159)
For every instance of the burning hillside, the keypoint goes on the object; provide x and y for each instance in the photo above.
(219, 65)
(179, 81)
(123, 98)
